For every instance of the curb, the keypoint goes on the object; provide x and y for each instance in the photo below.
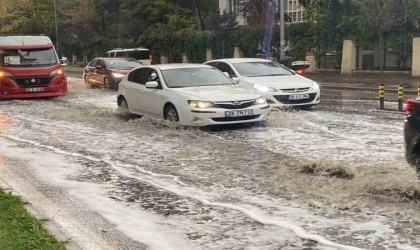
(50, 226)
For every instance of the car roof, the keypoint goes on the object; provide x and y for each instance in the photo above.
(180, 66)
(115, 58)
(130, 49)
(240, 60)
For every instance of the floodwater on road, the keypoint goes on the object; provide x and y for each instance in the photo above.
(333, 177)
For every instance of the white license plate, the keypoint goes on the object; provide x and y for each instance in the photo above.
(299, 97)
(34, 89)
(236, 113)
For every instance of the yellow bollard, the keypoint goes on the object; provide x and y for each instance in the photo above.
(381, 96)
(400, 97)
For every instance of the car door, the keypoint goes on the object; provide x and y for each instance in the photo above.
(100, 72)
(153, 98)
(90, 71)
(134, 89)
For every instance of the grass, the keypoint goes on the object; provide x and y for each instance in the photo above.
(19, 230)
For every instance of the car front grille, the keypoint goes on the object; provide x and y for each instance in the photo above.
(239, 118)
(295, 90)
(285, 99)
(30, 81)
(235, 104)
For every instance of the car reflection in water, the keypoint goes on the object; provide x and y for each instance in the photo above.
(190, 94)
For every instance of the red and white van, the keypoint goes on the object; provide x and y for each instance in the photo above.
(29, 67)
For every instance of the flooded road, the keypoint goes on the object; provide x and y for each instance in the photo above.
(333, 177)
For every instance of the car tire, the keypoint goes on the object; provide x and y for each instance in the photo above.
(171, 114)
(107, 83)
(122, 103)
(123, 106)
(86, 80)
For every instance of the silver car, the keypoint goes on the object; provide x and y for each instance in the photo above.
(281, 86)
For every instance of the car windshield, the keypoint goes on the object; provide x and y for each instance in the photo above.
(194, 77)
(28, 57)
(122, 63)
(253, 69)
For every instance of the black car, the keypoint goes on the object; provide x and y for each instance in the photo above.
(412, 133)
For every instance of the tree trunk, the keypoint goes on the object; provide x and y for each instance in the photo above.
(197, 15)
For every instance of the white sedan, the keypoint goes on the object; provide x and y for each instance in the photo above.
(281, 86)
(191, 94)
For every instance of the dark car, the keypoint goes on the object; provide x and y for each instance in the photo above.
(412, 133)
(108, 72)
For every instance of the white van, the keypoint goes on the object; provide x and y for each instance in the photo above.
(143, 55)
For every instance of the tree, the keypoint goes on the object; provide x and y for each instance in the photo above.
(223, 25)
(255, 11)
(382, 16)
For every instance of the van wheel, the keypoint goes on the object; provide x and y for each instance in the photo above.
(171, 114)
(107, 83)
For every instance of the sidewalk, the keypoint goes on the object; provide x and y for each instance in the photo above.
(369, 80)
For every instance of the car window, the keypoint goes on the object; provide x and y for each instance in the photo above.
(269, 68)
(193, 77)
(93, 63)
(122, 63)
(212, 64)
(28, 57)
(224, 67)
(141, 76)
(101, 63)
(119, 53)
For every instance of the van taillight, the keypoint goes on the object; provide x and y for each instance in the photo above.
(150, 56)
(412, 106)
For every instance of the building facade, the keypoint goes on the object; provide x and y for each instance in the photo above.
(294, 12)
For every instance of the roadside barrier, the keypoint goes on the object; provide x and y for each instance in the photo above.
(381, 96)
(400, 96)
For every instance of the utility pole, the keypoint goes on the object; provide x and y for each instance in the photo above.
(282, 42)
(56, 28)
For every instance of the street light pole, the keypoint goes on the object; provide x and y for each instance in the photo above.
(282, 42)
(56, 28)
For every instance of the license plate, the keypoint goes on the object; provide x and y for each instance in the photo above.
(299, 97)
(34, 89)
(236, 113)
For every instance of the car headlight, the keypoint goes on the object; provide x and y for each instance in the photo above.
(56, 72)
(315, 85)
(260, 100)
(4, 73)
(200, 104)
(264, 88)
(118, 75)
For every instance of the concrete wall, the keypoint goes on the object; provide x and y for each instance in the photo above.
(348, 61)
(415, 72)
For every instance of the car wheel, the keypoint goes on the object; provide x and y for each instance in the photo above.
(123, 106)
(171, 114)
(107, 83)
(123, 103)
(86, 79)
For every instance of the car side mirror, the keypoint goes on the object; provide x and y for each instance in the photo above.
(99, 67)
(152, 85)
(235, 79)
